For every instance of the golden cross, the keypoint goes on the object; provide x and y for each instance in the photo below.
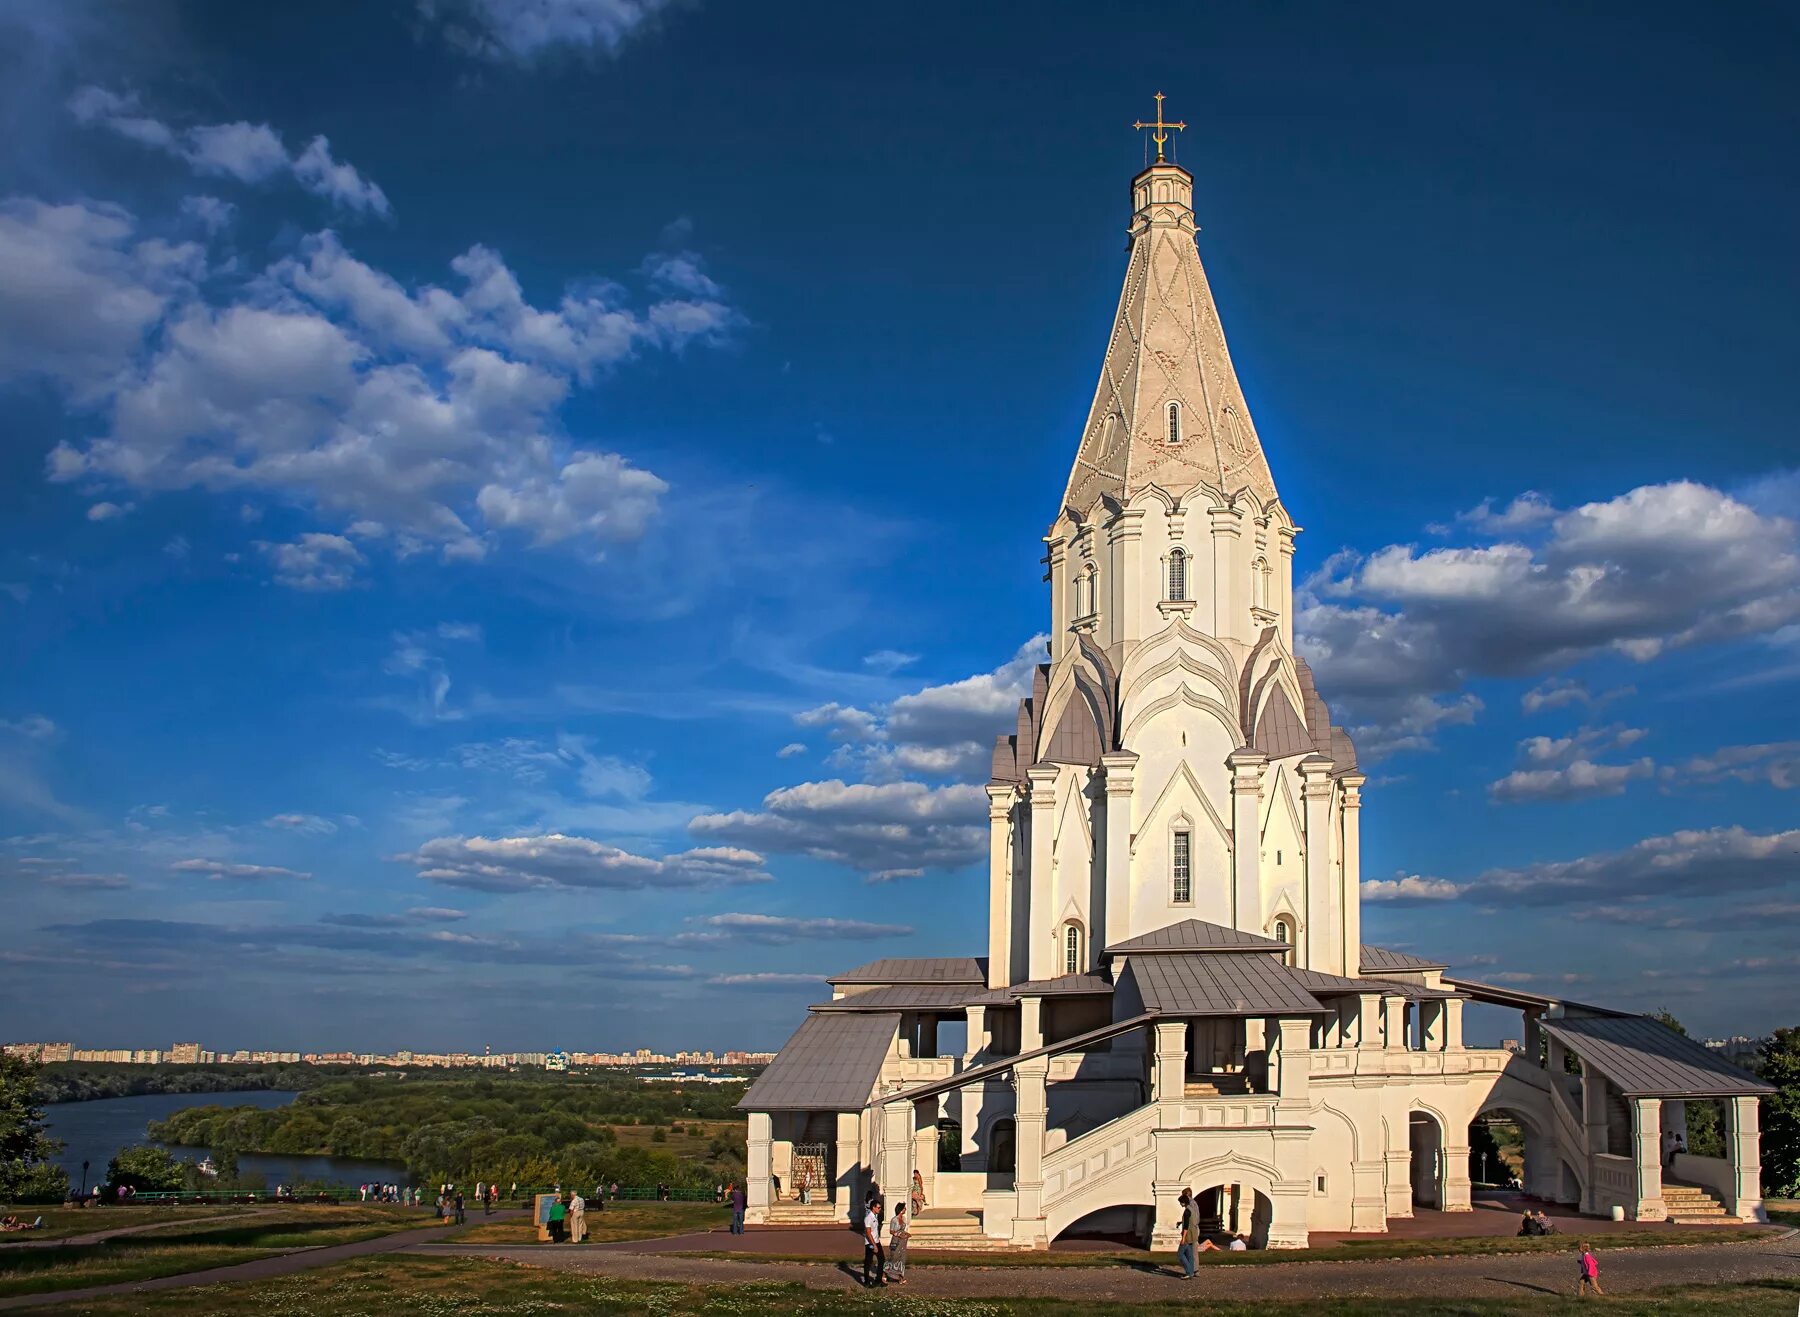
(1161, 134)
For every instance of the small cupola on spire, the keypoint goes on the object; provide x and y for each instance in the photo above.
(1168, 410)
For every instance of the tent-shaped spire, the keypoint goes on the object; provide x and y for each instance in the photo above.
(1168, 410)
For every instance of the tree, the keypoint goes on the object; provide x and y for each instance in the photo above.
(146, 1169)
(1778, 1063)
(27, 1173)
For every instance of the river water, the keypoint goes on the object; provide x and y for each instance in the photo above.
(94, 1131)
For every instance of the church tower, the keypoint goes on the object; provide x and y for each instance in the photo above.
(1174, 760)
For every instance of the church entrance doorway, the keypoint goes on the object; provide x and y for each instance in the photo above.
(1425, 1138)
(1234, 1209)
(813, 1174)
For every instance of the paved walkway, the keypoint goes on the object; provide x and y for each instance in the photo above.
(96, 1236)
(1622, 1270)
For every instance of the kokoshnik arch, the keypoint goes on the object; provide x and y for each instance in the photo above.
(1176, 992)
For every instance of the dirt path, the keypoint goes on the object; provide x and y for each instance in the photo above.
(96, 1236)
(1622, 1270)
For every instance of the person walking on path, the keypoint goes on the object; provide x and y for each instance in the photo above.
(897, 1237)
(577, 1218)
(918, 1194)
(487, 1204)
(1190, 1261)
(461, 1217)
(1590, 1274)
(874, 1262)
(737, 1210)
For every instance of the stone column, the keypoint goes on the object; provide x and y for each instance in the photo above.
(1165, 1227)
(1646, 1143)
(1393, 1019)
(1593, 1123)
(1040, 939)
(894, 1162)
(1000, 883)
(1168, 1077)
(1246, 838)
(978, 1040)
(1121, 778)
(1533, 1041)
(1231, 615)
(1350, 874)
(1283, 594)
(1294, 1084)
(846, 1191)
(1029, 1121)
(1743, 1149)
(1368, 1021)
(1397, 1155)
(757, 1167)
(1431, 1025)
(1031, 1024)
(1127, 541)
(1322, 942)
(1556, 1055)
(1453, 1024)
(1258, 1064)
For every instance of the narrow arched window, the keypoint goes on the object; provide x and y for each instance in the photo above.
(1071, 949)
(1284, 932)
(1261, 583)
(1178, 574)
(1181, 858)
(1174, 422)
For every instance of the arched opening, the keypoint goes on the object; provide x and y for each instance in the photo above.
(1425, 1140)
(1227, 1211)
(949, 1144)
(1174, 422)
(1285, 932)
(1505, 1155)
(1260, 583)
(1003, 1155)
(1178, 575)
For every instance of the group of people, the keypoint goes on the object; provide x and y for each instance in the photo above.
(1533, 1222)
(1192, 1245)
(564, 1215)
(8, 1224)
(389, 1193)
(883, 1266)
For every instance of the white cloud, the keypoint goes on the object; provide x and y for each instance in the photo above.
(308, 823)
(1659, 568)
(872, 827)
(1528, 510)
(552, 860)
(1408, 889)
(1577, 780)
(765, 979)
(421, 418)
(210, 213)
(889, 661)
(1715, 861)
(778, 929)
(507, 30)
(791, 749)
(219, 870)
(33, 726)
(1776, 763)
(1581, 743)
(315, 561)
(107, 511)
(247, 152)
(92, 882)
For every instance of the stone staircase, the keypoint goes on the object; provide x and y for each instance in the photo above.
(1691, 1205)
(951, 1229)
(819, 1212)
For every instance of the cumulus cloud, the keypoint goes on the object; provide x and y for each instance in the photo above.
(1582, 742)
(1408, 889)
(1528, 510)
(1577, 780)
(247, 152)
(871, 827)
(791, 749)
(552, 860)
(1661, 567)
(315, 561)
(1718, 861)
(222, 870)
(779, 929)
(1774, 763)
(308, 823)
(418, 417)
(508, 31)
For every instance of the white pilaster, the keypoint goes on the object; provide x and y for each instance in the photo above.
(1322, 943)
(1168, 1078)
(1040, 941)
(1743, 1149)
(1029, 1121)
(1121, 778)
(1350, 874)
(1453, 1025)
(1368, 1020)
(1646, 1141)
(846, 1191)
(1000, 883)
(1246, 838)
(757, 1168)
(1393, 1021)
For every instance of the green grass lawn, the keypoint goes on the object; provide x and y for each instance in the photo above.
(61, 1222)
(620, 1221)
(195, 1247)
(453, 1287)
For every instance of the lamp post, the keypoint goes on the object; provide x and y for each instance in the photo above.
(84, 1175)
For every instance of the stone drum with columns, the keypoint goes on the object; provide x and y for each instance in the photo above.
(1175, 991)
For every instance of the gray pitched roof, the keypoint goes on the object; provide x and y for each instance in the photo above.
(1066, 985)
(1648, 1059)
(1194, 935)
(1376, 960)
(918, 969)
(906, 997)
(1336, 985)
(830, 1064)
(1220, 985)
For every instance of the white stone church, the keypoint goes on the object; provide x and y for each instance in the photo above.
(1175, 991)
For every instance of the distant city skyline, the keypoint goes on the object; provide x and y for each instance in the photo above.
(507, 525)
(195, 1054)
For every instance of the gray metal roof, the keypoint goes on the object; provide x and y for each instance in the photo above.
(1377, 959)
(918, 969)
(830, 1064)
(906, 997)
(1194, 935)
(1336, 985)
(1648, 1059)
(1220, 985)
(1089, 985)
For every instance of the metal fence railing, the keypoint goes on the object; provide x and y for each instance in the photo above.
(340, 1194)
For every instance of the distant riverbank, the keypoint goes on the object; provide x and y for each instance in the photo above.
(82, 1081)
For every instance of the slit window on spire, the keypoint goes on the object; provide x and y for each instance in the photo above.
(1177, 575)
(1174, 422)
(1183, 867)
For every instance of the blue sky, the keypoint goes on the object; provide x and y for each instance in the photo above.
(518, 532)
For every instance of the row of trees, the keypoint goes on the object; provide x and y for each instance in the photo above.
(82, 1081)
